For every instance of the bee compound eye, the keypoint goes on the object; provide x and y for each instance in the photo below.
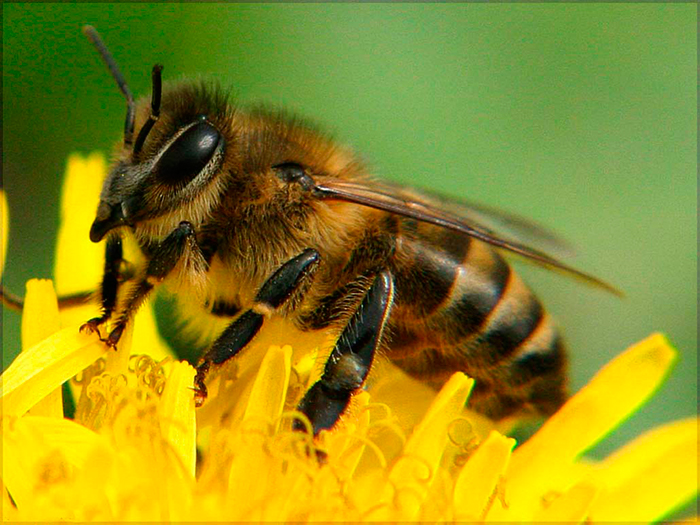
(187, 156)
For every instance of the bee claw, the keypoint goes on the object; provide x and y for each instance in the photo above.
(114, 336)
(199, 398)
(321, 456)
(200, 395)
(92, 326)
(200, 389)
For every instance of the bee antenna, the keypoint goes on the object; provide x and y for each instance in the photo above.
(108, 59)
(155, 108)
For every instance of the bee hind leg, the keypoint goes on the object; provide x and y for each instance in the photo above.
(350, 361)
(275, 293)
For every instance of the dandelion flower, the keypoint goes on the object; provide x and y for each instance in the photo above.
(137, 450)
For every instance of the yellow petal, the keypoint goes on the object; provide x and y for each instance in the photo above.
(571, 507)
(348, 445)
(147, 336)
(412, 474)
(430, 436)
(44, 367)
(270, 388)
(651, 476)
(73, 440)
(40, 313)
(30, 442)
(287, 504)
(249, 505)
(117, 360)
(264, 406)
(92, 488)
(39, 320)
(4, 231)
(19, 449)
(78, 260)
(408, 397)
(612, 395)
(177, 418)
(145, 330)
(477, 480)
(8, 511)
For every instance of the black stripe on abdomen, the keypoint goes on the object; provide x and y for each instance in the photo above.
(515, 318)
(481, 282)
(540, 356)
(430, 259)
(426, 283)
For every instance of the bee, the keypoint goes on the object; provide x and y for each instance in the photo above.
(251, 214)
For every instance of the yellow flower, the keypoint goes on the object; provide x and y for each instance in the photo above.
(3, 231)
(137, 449)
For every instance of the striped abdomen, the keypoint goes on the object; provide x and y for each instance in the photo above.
(460, 306)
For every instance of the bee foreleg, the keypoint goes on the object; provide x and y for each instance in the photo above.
(275, 292)
(350, 361)
(109, 286)
(161, 264)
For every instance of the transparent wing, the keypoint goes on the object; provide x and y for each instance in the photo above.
(505, 225)
(508, 225)
(454, 216)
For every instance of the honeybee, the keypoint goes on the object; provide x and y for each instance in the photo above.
(252, 214)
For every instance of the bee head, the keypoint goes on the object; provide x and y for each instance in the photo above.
(172, 173)
(173, 157)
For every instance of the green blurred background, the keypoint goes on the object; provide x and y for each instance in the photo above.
(582, 117)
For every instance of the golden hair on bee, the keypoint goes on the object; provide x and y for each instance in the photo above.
(251, 214)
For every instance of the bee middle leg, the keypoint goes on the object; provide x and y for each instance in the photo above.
(275, 292)
(350, 360)
(164, 260)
